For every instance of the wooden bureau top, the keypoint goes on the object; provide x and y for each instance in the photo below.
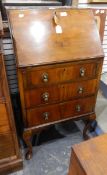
(92, 155)
(37, 42)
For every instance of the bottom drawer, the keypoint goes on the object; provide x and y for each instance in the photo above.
(50, 113)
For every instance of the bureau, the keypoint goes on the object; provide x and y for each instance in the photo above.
(59, 62)
(10, 158)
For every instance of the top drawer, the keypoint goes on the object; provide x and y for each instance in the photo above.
(44, 75)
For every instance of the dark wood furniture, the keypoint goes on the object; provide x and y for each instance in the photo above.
(99, 12)
(89, 157)
(10, 159)
(59, 62)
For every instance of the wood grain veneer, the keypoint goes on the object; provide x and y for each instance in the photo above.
(58, 71)
(89, 157)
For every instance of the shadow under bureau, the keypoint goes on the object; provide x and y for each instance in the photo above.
(59, 62)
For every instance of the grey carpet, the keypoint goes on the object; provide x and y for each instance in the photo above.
(51, 158)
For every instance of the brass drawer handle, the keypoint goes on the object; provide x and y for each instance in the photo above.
(78, 108)
(45, 96)
(82, 72)
(46, 115)
(45, 77)
(80, 90)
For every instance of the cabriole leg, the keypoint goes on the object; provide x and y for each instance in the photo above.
(88, 126)
(27, 138)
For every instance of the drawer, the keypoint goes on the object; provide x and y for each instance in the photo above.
(53, 74)
(78, 107)
(58, 93)
(43, 95)
(51, 113)
(79, 89)
(42, 115)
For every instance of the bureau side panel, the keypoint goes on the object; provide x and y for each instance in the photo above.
(74, 167)
(21, 89)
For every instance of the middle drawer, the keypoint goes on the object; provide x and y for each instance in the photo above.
(61, 92)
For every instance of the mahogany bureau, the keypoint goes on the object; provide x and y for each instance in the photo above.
(59, 62)
(10, 158)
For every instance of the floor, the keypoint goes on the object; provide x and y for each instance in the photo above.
(101, 112)
(51, 158)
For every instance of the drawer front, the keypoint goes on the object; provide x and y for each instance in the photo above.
(36, 77)
(78, 107)
(50, 113)
(42, 95)
(79, 89)
(58, 93)
(42, 115)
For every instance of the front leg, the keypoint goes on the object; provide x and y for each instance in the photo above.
(27, 134)
(88, 126)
